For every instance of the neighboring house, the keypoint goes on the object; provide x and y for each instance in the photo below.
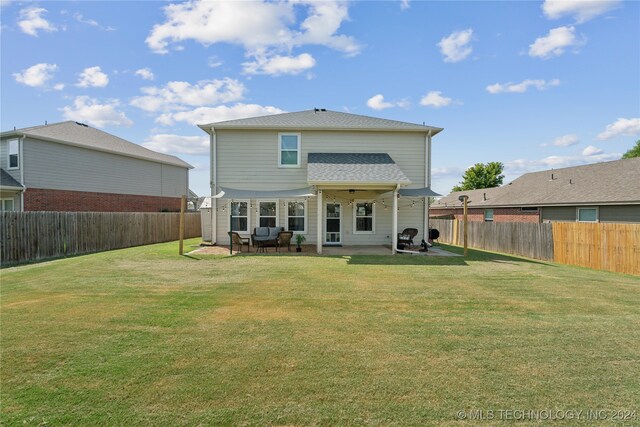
(599, 192)
(70, 166)
(333, 177)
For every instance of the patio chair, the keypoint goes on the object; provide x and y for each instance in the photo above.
(407, 235)
(238, 241)
(284, 239)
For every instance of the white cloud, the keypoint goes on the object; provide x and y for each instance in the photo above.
(377, 102)
(58, 86)
(277, 65)
(456, 46)
(555, 43)
(565, 140)
(214, 61)
(515, 168)
(89, 110)
(203, 115)
(181, 95)
(93, 77)
(36, 75)
(265, 29)
(581, 10)
(91, 22)
(404, 4)
(435, 99)
(145, 73)
(522, 86)
(31, 21)
(178, 144)
(446, 171)
(627, 127)
(592, 151)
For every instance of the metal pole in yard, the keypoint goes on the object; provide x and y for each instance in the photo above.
(465, 199)
(183, 202)
(231, 227)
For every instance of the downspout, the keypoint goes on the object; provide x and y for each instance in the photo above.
(427, 184)
(213, 147)
(21, 160)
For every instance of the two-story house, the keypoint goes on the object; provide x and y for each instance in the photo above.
(336, 178)
(70, 166)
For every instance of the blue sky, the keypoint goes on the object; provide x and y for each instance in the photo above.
(535, 85)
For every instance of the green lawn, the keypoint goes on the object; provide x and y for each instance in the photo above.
(144, 336)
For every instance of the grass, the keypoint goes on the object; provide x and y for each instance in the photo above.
(144, 336)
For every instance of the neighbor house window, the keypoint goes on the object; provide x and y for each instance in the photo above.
(240, 216)
(296, 216)
(587, 214)
(267, 214)
(488, 215)
(7, 205)
(289, 150)
(14, 156)
(363, 217)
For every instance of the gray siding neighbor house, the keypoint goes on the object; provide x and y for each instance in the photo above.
(335, 178)
(599, 192)
(70, 166)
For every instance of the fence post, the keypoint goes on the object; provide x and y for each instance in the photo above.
(183, 201)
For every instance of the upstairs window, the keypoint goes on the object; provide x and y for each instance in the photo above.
(289, 150)
(14, 156)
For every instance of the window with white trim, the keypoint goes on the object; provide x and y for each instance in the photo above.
(297, 216)
(363, 217)
(7, 205)
(289, 150)
(14, 154)
(488, 215)
(588, 214)
(268, 214)
(240, 216)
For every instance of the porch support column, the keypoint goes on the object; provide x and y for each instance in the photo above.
(394, 221)
(319, 219)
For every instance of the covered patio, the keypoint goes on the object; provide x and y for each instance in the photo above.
(352, 201)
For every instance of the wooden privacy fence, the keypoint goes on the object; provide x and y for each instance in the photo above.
(30, 236)
(613, 247)
(531, 240)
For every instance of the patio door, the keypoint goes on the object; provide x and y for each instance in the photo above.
(332, 235)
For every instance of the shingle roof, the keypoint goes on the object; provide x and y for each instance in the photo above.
(7, 180)
(354, 168)
(320, 119)
(87, 137)
(615, 182)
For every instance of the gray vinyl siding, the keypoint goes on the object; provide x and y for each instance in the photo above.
(249, 160)
(559, 213)
(63, 167)
(4, 159)
(629, 213)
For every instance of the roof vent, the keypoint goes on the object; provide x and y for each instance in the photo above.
(484, 196)
(81, 124)
(552, 177)
(570, 181)
(323, 109)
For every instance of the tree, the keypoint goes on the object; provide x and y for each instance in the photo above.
(481, 176)
(633, 151)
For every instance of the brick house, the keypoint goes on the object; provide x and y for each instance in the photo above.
(70, 166)
(600, 192)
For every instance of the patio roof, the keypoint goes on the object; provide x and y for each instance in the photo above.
(8, 182)
(354, 169)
